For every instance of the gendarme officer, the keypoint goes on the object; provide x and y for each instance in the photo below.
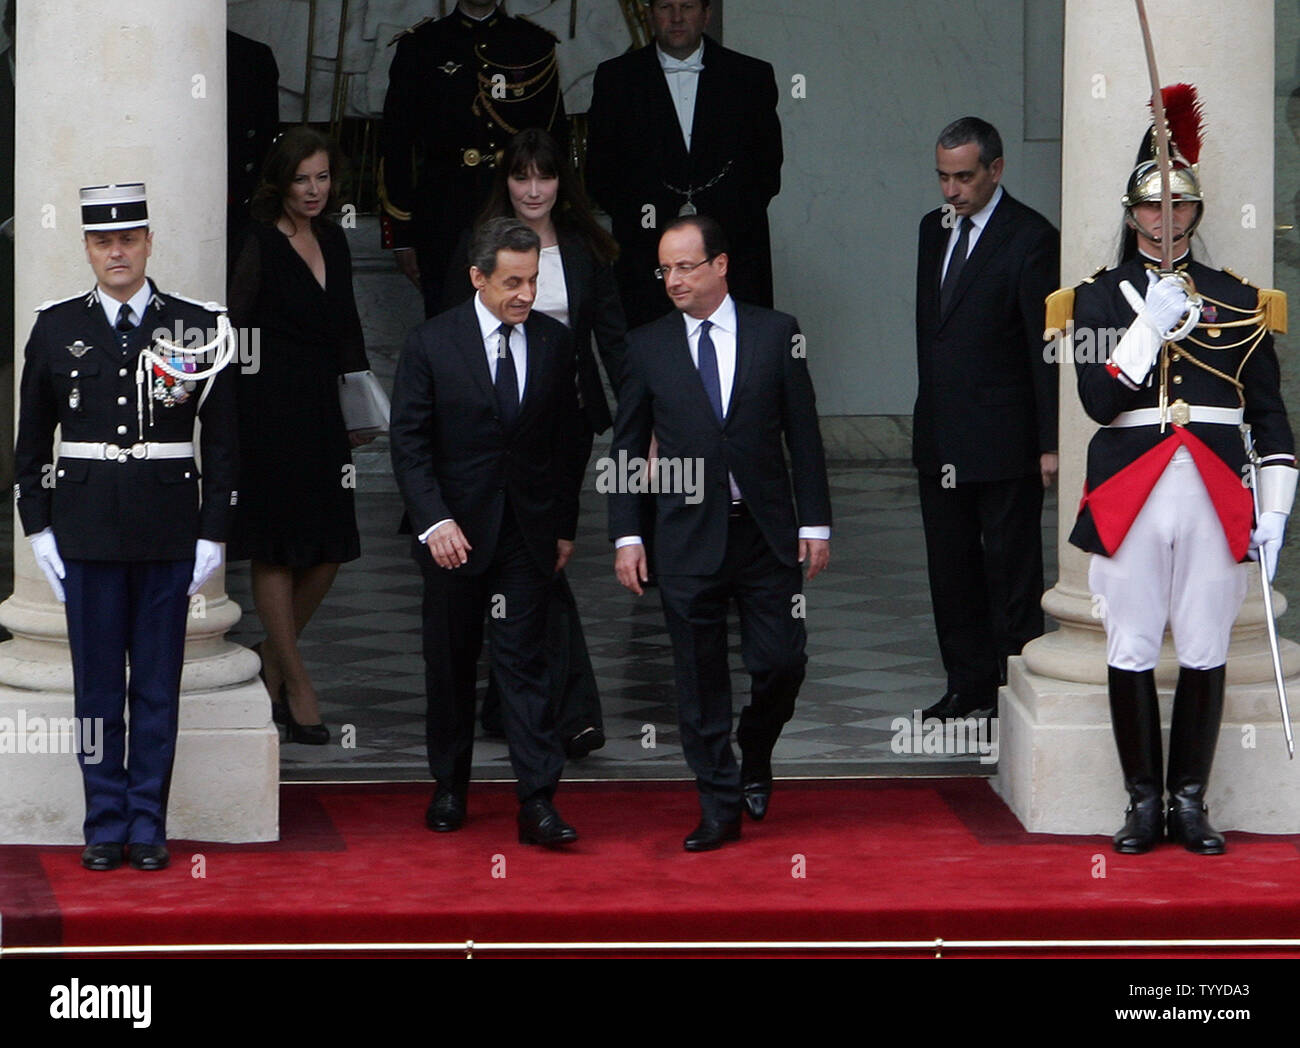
(118, 522)
(459, 89)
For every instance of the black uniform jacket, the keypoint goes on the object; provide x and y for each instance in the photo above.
(771, 400)
(139, 509)
(456, 85)
(1124, 463)
(986, 392)
(453, 457)
(594, 307)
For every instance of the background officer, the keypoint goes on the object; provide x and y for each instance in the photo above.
(118, 523)
(459, 89)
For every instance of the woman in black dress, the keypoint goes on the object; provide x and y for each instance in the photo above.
(291, 297)
(575, 285)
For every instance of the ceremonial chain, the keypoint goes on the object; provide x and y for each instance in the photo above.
(225, 345)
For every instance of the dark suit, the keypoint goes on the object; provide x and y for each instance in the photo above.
(126, 530)
(708, 552)
(636, 154)
(985, 412)
(513, 491)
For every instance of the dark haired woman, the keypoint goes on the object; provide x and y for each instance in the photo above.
(575, 285)
(291, 289)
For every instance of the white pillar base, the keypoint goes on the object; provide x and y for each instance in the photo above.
(225, 784)
(1058, 770)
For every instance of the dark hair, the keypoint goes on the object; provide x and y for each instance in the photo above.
(651, 3)
(973, 129)
(287, 153)
(715, 240)
(537, 149)
(500, 234)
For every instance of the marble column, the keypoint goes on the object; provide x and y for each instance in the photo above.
(124, 92)
(1058, 769)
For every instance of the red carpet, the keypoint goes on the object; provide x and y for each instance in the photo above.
(901, 860)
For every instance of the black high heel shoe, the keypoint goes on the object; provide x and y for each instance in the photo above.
(307, 734)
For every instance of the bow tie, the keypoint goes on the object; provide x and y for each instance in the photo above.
(680, 65)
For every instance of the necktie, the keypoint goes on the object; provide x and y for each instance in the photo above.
(708, 364)
(955, 264)
(507, 382)
(124, 318)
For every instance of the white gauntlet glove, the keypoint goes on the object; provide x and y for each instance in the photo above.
(1268, 537)
(207, 559)
(1165, 305)
(46, 552)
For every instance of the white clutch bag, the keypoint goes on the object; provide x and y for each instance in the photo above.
(364, 403)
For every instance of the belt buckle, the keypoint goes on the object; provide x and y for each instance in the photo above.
(139, 451)
(1180, 413)
(115, 453)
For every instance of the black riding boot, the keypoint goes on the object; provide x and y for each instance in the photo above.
(1135, 718)
(1193, 737)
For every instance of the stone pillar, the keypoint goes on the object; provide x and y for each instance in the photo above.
(1058, 767)
(124, 92)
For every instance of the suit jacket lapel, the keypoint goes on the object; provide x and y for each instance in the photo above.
(745, 349)
(997, 229)
(470, 345)
(688, 372)
(709, 104)
(662, 113)
(536, 363)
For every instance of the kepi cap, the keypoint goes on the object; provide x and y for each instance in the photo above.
(113, 207)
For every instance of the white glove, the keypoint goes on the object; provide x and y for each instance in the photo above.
(1268, 535)
(46, 551)
(207, 559)
(1164, 306)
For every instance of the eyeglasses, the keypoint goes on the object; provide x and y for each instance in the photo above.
(684, 268)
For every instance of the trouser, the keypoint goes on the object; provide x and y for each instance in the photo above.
(116, 609)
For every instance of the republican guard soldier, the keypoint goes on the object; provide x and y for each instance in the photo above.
(1165, 510)
(118, 522)
(459, 89)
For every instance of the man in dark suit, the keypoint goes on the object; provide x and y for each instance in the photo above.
(984, 426)
(721, 383)
(119, 524)
(682, 126)
(487, 457)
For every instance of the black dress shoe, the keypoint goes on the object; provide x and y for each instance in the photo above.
(308, 734)
(583, 743)
(148, 856)
(540, 823)
(962, 704)
(100, 857)
(756, 785)
(446, 812)
(711, 834)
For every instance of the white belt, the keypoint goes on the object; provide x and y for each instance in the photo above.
(1196, 413)
(81, 449)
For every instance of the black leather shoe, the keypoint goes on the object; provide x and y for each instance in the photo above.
(961, 704)
(583, 743)
(148, 856)
(446, 812)
(755, 785)
(540, 823)
(712, 834)
(101, 857)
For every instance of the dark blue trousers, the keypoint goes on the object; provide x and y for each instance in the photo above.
(116, 609)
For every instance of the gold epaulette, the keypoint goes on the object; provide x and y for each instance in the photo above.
(1237, 276)
(1273, 304)
(1060, 311)
(409, 29)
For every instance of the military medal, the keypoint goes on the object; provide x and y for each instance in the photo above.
(78, 349)
(687, 209)
(449, 67)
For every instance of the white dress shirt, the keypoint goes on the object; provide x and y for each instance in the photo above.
(138, 302)
(552, 292)
(683, 76)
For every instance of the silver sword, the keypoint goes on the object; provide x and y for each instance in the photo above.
(1267, 585)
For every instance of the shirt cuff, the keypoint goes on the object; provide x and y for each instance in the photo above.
(816, 531)
(424, 535)
(627, 540)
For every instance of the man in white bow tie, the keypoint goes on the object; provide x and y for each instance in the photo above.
(684, 126)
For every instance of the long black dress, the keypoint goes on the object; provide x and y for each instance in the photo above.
(295, 492)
